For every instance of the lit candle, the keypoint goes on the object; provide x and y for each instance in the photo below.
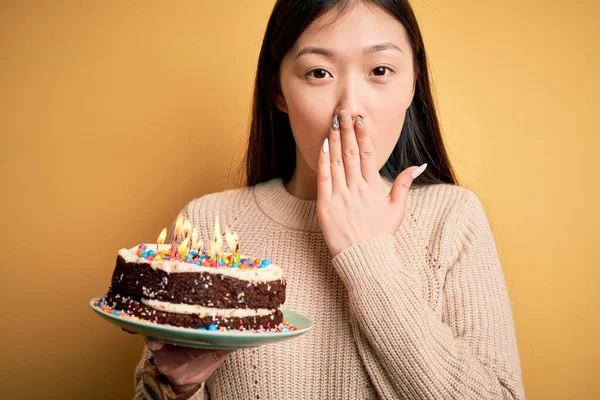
(229, 239)
(213, 249)
(232, 242)
(218, 240)
(173, 251)
(183, 247)
(194, 244)
(187, 229)
(178, 226)
(161, 238)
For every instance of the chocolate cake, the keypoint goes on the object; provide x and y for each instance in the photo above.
(196, 289)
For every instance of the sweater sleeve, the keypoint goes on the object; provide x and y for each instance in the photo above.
(408, 349)
(142, 394)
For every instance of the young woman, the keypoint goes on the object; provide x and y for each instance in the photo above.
(402, 278)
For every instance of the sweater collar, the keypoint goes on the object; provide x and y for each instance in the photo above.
(282, 207)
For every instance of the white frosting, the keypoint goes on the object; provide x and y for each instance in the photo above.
(205, 311)
(269, 273)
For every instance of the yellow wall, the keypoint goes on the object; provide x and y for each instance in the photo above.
(114, 114)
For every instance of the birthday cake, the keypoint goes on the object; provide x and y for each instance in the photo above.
(181, 284)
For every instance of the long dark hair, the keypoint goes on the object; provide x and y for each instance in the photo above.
(271, 147)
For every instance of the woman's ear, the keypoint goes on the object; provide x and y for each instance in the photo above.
(278, 97)
(280, 102)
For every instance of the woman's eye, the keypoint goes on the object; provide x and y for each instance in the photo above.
(318, 73)
(380, 71)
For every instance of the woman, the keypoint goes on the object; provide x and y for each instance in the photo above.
(402, 279)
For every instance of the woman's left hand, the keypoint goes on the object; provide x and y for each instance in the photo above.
(352, 200)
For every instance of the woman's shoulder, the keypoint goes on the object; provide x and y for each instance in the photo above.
(443, 198)
(446, 217)
(443, 210)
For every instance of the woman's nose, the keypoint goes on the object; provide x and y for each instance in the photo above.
(350, 100)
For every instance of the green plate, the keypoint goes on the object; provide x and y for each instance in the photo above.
(230, 340)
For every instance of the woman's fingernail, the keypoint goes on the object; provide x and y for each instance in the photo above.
(359, 121)
(415, 174)
(326, 146)
(336, 123)
(153, 346)
(345, 116)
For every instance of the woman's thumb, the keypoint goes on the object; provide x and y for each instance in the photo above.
(399, 191)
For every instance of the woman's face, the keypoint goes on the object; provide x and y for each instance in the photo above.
(362, 63)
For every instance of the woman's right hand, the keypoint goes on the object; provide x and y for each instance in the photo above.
(184, 366)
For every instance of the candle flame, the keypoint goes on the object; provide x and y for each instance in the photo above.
(162, 237)
(232, 239)
(217, 242)
(187, 228)
(183, 247)
(194, 238)
(178, 226)
(213, 249)
(218, 235)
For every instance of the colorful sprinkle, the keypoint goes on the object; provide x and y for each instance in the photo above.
(212, 327)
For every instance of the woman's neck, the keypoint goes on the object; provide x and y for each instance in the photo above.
(303, 183)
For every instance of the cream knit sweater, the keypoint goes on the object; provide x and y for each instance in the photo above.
(423, 314)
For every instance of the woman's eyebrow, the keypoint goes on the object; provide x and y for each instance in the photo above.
(331, 54)
(382, 47)
(316, 50)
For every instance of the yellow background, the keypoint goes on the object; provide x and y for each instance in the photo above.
(114, 114)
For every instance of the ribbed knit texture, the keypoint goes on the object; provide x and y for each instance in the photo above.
(422, 314)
